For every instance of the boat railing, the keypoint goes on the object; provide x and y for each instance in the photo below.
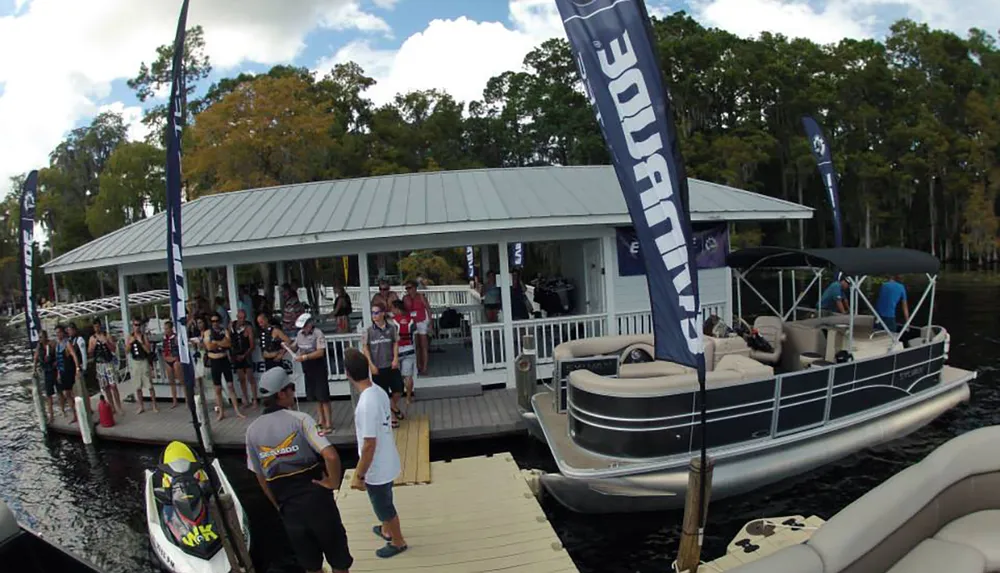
(769, 408)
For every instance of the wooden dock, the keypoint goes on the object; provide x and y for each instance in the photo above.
(477, 515)
(492, 413)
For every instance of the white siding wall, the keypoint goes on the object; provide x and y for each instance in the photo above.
(631, 293)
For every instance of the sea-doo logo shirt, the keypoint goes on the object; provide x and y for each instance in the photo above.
(283, 447)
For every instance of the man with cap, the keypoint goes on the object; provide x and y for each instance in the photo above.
(282, 449)
(310, 351)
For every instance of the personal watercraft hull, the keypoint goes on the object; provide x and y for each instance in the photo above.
(172, 557)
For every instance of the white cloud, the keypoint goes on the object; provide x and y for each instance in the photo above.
(385, 4)
(59, 57)
(458, 55)
(829, 21)
(132, 114)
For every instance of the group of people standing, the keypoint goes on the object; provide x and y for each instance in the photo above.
(63, 362)
(891, 296)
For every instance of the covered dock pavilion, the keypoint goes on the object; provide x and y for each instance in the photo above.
(580, 210)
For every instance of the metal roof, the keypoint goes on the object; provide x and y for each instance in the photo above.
(401, 206)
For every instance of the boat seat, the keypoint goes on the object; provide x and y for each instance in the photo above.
(657, 386)
(717, 348)
(771, 330)
(980, 531)
(936, 556)
(598, 346)
(652, 369)
(750, 368)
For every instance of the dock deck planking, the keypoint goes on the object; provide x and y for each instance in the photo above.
(451, 526)
(490, 414)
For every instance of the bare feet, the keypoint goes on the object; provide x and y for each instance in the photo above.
(73, 421)
(255, 404)
(240, 414)
(220, 416)
(140, 410)
(173, 405)
(155, 409)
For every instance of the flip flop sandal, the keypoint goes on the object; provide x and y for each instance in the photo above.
(377, 530)
(389, 550)
(399, 414)
(395, 424)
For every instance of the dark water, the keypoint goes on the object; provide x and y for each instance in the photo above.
(89, 499)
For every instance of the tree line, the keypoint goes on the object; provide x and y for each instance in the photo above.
(913, 121)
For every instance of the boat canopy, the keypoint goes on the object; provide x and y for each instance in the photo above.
(854, 261)
(95, 308)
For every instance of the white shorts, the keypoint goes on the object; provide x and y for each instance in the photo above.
(422, 326)
(408, 366)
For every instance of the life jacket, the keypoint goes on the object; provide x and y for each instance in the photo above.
(101, 352)
(406, 328)
(238, 339)
(137, 351)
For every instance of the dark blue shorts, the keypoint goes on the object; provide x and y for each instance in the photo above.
(381, 498)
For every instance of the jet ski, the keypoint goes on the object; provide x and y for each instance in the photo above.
(184, 538)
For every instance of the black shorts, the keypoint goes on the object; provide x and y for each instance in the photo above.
(390, 380)
(50, 382)
(221, 367)
(315, 530)
(316, 380)
(66, 380)
(242, 364)
(269, 364)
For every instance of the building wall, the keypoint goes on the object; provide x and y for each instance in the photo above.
(631, 293)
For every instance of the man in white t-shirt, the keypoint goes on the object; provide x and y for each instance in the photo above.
(378, 459)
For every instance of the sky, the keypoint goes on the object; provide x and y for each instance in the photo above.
(64, 61)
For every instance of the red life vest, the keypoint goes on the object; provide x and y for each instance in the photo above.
(405, 323)
(416, 306)
(105, 414)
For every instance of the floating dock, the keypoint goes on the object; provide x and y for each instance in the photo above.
(476, 515)
(490, 414)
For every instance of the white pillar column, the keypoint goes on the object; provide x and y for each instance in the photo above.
(484, 254)
(610, 270)
(278, 303)
(508, 322)
(123, 299)
(364, 299)
(231, 291)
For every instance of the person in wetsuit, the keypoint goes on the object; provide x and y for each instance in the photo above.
(67, 367)
(138, 365)
(241, 354)
(102, 347)
(217, 343)
(45, 359)
(271, 340)
(170, 350)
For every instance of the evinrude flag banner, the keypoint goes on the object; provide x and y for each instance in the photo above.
(824, 161)
(709, 244)
(175, 266)
(612, 46)
(470, 262)
(516, 254)
(27, 236)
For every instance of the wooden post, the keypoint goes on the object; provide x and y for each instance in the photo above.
(525, 374)
(217, 516)
(83, 420)
(689, 556)
(232, 520)
(206, 430)
(37, 401)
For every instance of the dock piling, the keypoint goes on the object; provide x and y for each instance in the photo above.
(206, 430)
(37, 402)
(689, 555)
(525, 373)
(216, 514)
(238, 541)
(83, 420)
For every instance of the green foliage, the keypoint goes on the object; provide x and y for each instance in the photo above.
(133, 181)
(435, 268)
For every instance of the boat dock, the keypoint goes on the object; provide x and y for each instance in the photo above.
(489, 414)
(476, 515)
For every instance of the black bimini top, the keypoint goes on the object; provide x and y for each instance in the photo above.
(854, 261)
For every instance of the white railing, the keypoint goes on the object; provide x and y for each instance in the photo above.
(443, 296)
(336, 346)
(641, 321)
(487, 347)
(551, 332)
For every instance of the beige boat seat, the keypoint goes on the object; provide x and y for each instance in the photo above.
(939, 515)
(599, 346)
(771, 330)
